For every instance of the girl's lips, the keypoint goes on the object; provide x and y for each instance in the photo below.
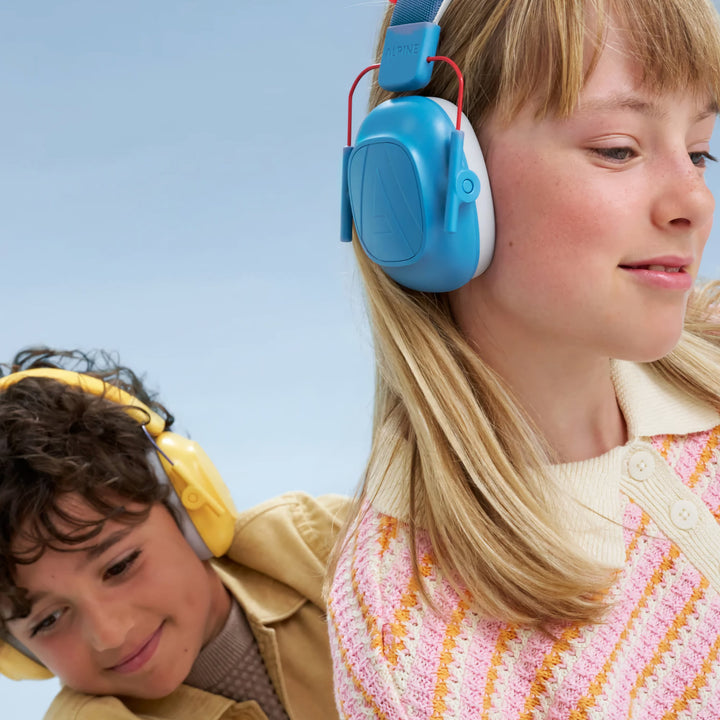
(661, 263)
(142, 655)
(661, 276)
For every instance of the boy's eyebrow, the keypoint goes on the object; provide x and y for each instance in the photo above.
(97, 550)
(92, 552)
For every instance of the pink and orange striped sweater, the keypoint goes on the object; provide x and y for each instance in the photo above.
(653, 508)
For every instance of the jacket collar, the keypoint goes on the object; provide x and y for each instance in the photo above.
(263, 599)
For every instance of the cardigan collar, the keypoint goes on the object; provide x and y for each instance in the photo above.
(650, 405)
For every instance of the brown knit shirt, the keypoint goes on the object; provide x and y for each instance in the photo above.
(231, 665)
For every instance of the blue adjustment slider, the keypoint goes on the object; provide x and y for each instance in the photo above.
(346, 221)
(404, 64)
(463, 184)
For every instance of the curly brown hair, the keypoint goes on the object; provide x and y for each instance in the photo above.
(56, 440)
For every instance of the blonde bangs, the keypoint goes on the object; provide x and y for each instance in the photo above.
(675, 42)
(550, 47)
(517, 51)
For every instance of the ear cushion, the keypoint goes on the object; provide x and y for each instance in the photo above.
(484, 202)
(398, 183)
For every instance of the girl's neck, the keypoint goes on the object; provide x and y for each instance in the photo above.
(567, 391)
(574, 407)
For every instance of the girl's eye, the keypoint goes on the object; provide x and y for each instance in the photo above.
(698, 158)
(614, 154)
(121, 567)
(46, 623)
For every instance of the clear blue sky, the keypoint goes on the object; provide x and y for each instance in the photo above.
(169, 189)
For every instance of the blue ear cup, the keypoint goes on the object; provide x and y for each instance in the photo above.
(421, 202)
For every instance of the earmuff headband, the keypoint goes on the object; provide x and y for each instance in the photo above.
(93, 386)
(412, 11)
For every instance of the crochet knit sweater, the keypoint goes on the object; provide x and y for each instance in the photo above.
(652, 512)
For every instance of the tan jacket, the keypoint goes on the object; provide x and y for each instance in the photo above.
(275, 570)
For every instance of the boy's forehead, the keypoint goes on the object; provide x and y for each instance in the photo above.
(73, 516)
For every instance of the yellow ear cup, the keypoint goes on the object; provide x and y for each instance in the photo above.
(201, 490)
(16, 666)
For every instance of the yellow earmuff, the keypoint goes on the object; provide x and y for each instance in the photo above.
(197, 484)
(17, 666)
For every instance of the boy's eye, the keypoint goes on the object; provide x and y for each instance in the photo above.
(46, 623)
(698, 158)
(121, 567)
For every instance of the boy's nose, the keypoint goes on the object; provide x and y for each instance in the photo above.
(106, 626)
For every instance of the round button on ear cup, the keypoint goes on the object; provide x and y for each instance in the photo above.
(191, 498)
(468, 185)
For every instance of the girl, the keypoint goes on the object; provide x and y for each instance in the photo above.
(537, 534)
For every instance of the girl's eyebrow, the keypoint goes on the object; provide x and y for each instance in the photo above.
(639, 105)
(711, 110)
(622, 102)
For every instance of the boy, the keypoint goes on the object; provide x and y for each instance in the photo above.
(106, 577)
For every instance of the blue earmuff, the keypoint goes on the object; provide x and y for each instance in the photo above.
(415, 182)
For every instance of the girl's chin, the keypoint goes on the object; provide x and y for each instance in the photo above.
(650, 353)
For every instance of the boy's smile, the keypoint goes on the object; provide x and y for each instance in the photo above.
(139, 657)
(124, 614)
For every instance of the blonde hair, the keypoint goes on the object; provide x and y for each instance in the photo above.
(479, 481)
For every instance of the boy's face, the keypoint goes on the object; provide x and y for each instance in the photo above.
(125, 615)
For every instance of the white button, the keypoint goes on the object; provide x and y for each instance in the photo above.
(684, 514)
(641, 465)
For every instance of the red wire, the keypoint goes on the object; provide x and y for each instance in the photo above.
(436, 58)
(352, 90)
(461, 84)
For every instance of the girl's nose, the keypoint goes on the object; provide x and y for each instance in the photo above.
(683, 200)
